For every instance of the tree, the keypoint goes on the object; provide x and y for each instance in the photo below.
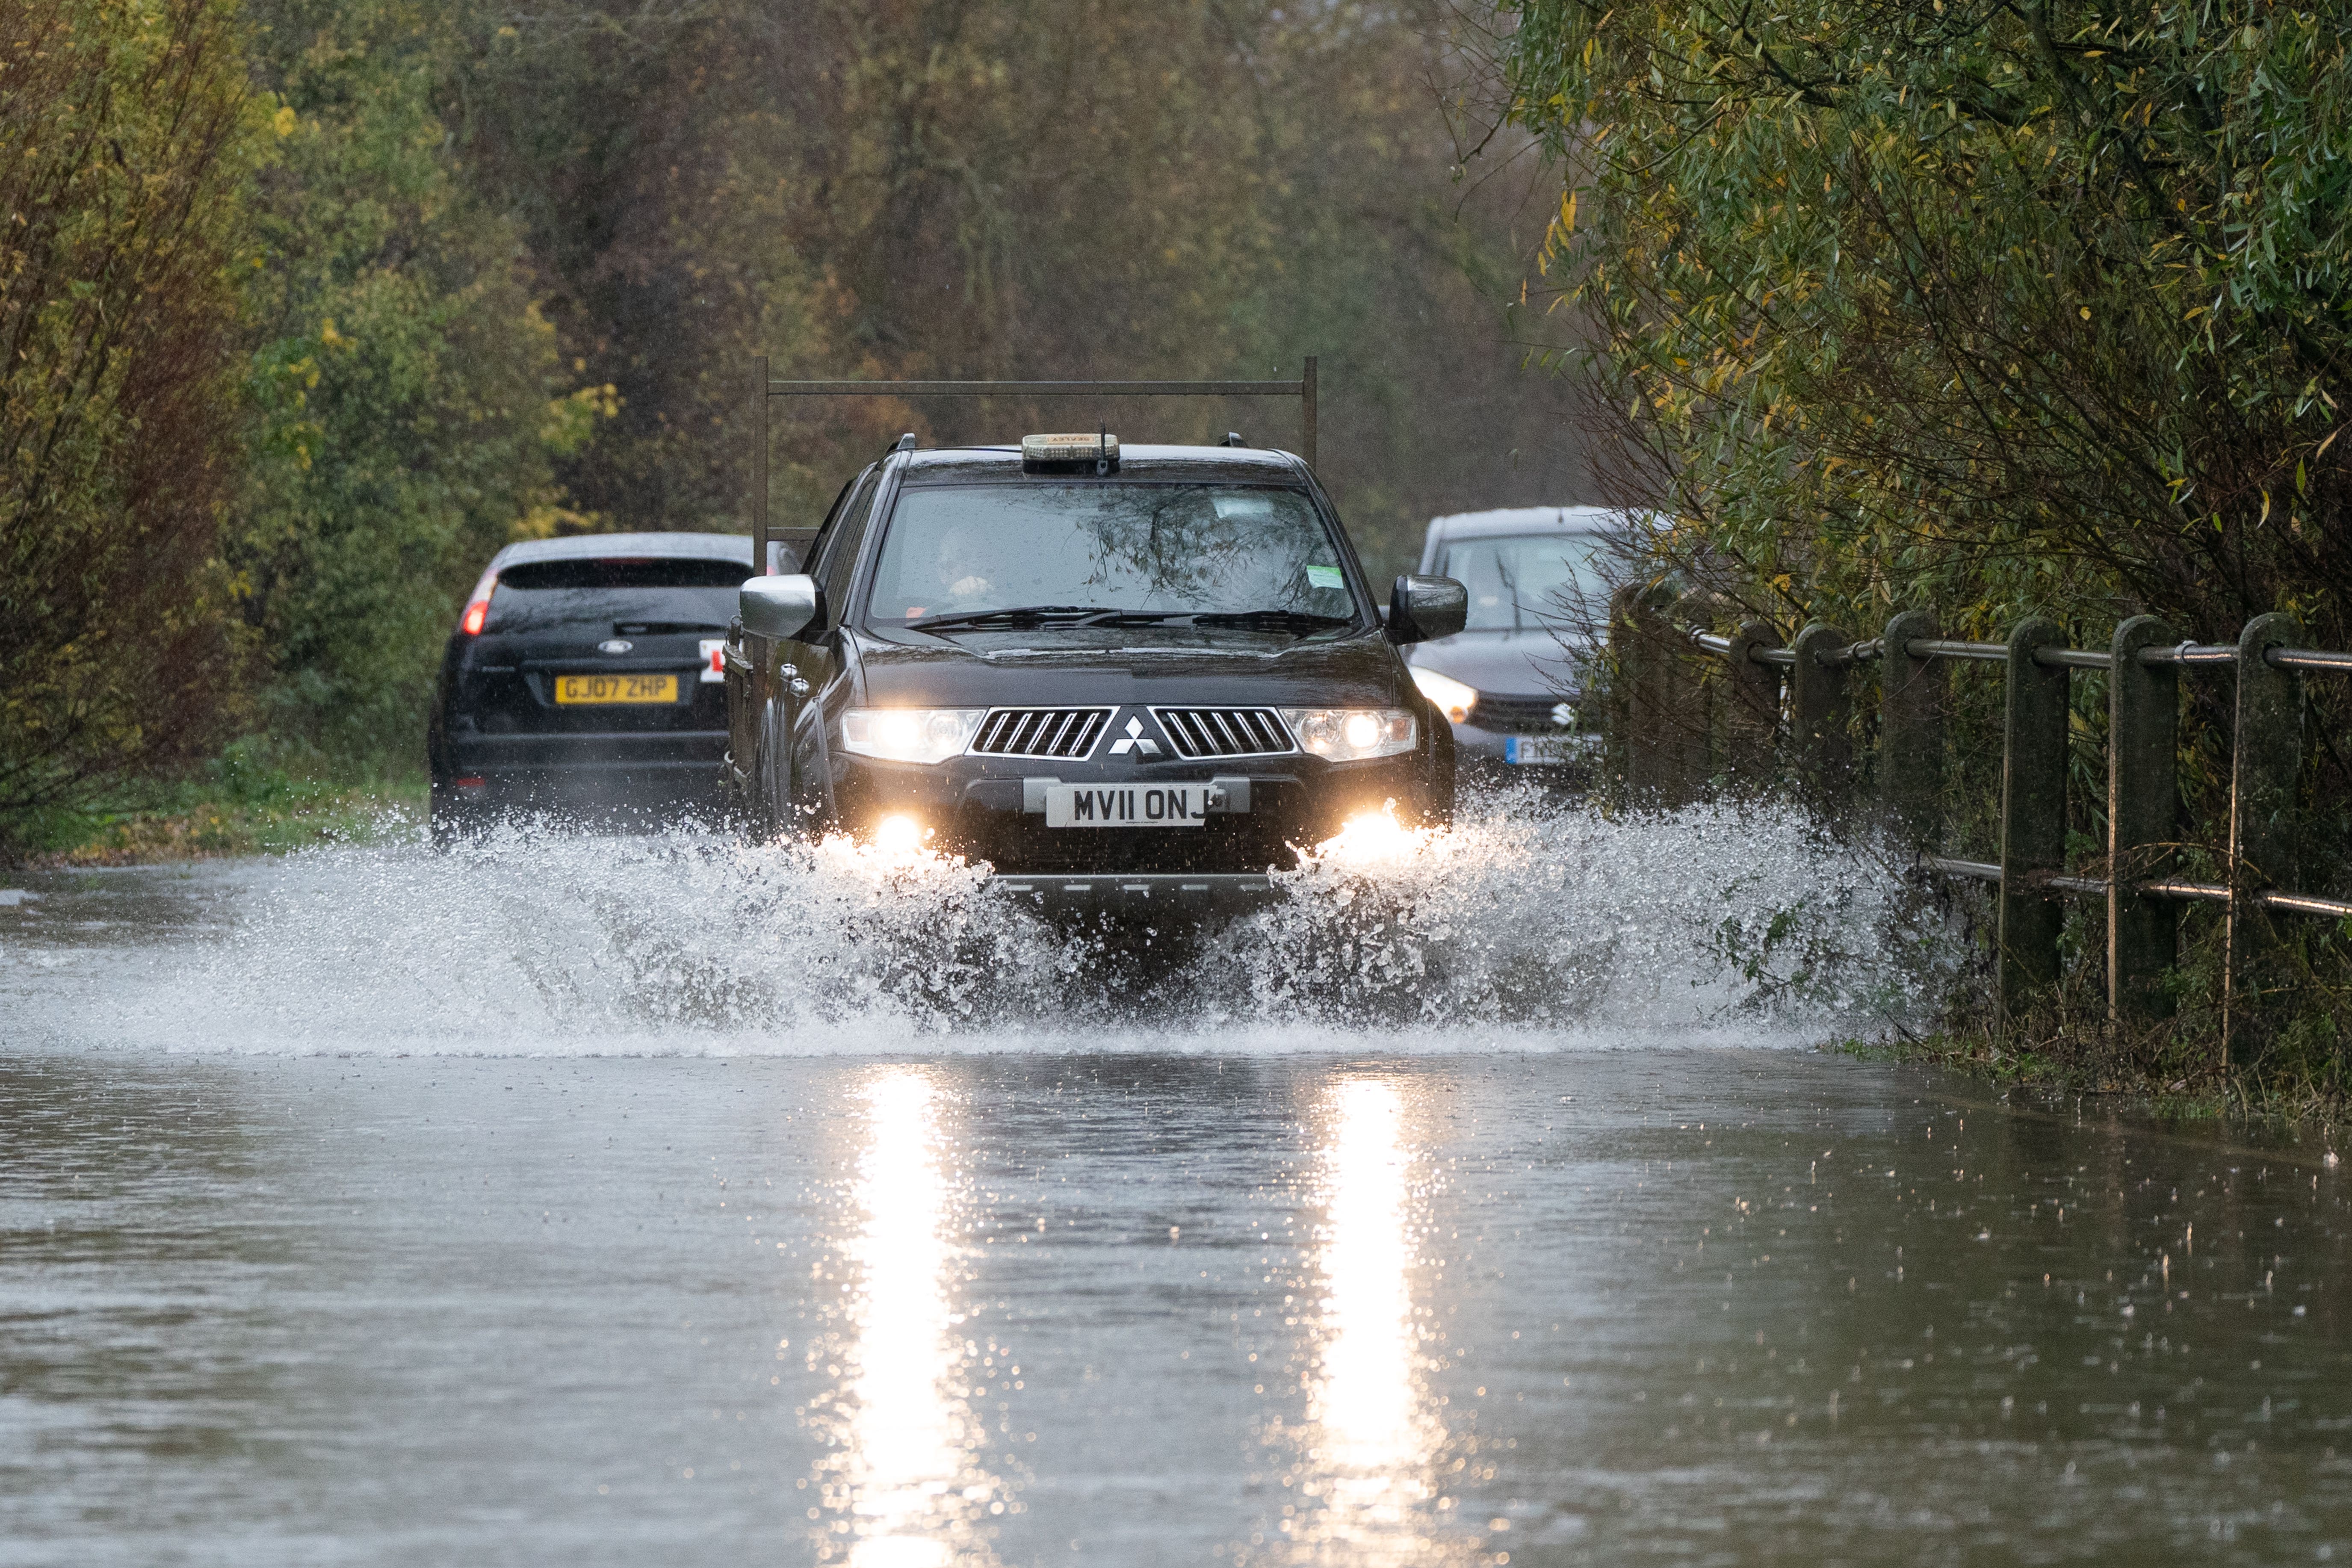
(403, 385)
(901, 189)
(1980, 303)
(122, 148)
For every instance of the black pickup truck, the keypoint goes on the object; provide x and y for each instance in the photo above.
(1113, 676)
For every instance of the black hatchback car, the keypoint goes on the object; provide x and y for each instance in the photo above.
(583, 677)
(1161, 666)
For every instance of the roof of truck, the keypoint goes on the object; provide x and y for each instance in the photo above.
(1247, 465)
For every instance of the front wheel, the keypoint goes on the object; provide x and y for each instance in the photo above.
(772, 778)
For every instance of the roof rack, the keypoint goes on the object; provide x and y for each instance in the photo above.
(1302, 389)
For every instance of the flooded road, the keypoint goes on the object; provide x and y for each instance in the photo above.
(388, 1208)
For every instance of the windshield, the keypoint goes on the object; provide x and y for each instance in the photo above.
(1518, 581)
(631, 595)
(1165, 549)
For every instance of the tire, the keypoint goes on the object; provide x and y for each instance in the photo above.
(771, 780)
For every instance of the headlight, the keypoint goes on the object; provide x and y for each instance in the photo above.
(910, 734)
(1349, 735)
(1453, 699)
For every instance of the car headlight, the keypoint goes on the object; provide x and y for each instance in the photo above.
(1350, 734)
(1453, 699)
(910, 734)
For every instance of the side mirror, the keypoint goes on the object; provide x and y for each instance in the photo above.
(1423, 609)
(778, 607)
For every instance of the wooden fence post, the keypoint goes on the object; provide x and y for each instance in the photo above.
(1911, 732)
(2264, 769)
(1752, 722)
(1629, 656)
(1693, 740)
(1640, 663)
(1818, 707)
(2032, 820)
(2142, 822)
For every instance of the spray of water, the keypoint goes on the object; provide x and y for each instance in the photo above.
(1525, 922)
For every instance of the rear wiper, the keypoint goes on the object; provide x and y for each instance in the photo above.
(1275, 620)
(1025, 615)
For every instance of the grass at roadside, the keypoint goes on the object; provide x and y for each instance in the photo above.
(2086, 1064)
(246, 801)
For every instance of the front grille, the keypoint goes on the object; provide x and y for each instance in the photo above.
(1223, 732)
(1066, 732)
(1519, 715)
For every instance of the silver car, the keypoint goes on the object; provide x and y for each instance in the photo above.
(1510, 682)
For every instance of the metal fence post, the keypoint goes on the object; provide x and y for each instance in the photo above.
(1911, 732)
(1818, 707)
(2268, 759)
(759, 485)
(1752, 722)
(1307, 411)
(2032, 819)
(2142, 822)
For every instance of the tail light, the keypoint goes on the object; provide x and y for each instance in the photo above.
(478, 605)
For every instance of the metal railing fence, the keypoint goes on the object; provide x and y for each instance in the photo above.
(765, 390)
(2142, 890)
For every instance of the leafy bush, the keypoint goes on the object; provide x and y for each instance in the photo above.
(123, 144)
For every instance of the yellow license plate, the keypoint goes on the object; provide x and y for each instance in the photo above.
(571, 688)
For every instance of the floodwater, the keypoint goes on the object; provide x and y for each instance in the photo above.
(585, 1202)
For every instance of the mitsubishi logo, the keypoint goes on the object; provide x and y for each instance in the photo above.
(1135, 742)
(1562, 714)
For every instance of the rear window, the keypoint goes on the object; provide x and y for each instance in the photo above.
(628, 572)
(618, 596)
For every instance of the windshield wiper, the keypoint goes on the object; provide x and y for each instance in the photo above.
(1297, 621)
(1024, 615)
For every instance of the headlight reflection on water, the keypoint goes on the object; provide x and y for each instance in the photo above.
(905, 1487)
(1372, 1437)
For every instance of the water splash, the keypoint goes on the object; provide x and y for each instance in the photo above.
(1526, 923)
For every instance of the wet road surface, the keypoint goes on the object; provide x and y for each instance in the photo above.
(1257, 1290)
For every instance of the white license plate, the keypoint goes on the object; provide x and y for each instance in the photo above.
(1542, 748)
(1126, 805)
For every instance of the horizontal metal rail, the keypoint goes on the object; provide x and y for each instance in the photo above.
(1852, 653)
(2307, 658)
(2304, 904)
(2187, 655)
(1037, 388)
(1939, 648)
(2187, 892)
(765, 387)
(2073, 658)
